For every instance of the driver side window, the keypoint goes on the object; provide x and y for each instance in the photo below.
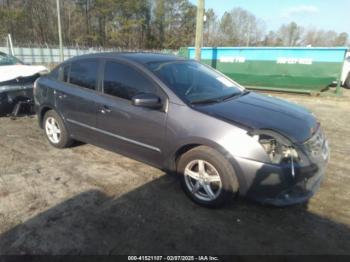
(123, 81)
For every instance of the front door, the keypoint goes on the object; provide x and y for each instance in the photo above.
(135, 131)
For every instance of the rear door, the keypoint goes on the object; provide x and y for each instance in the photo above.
(135, 131)
(77, 100)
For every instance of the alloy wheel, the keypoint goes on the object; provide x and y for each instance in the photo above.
(203, 180)
(53, 130)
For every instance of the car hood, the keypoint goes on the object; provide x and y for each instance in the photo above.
(10, 72)
(258, 111)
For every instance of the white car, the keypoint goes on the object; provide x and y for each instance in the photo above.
(16, 84)
(345, 78)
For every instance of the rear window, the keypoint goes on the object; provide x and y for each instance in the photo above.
(84, 73)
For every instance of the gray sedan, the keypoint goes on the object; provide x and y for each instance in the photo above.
(186, 118)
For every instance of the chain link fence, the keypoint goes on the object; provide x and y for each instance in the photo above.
(49, 55)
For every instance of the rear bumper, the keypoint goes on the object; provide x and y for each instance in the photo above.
(276, 185)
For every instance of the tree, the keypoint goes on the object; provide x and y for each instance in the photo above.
(147, 24)
(290, 34)
(210, 28)
(226, 30)
(341, 39)
(314, 37)
(240, 28)
(159, 23)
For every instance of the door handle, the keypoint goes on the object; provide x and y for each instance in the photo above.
(62, 96)
(105, 109)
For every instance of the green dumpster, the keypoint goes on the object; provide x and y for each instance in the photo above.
(306, 70)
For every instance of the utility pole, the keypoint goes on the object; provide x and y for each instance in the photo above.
(59, 30)
(199, 28)
(9, 40)
(248, 34)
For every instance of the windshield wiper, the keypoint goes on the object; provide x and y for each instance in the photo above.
(215, 100)
(206, 101)
(220, 99)
(244, 92)
(230, 96)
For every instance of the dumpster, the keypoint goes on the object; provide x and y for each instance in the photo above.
(306, 70)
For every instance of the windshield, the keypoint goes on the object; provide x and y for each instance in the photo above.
(194, 82)
(8, 60)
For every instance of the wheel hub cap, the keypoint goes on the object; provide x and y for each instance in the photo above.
(53, 130)
(203, 180)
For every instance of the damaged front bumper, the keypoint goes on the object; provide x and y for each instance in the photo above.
(299, 189)
(10, 96)
(17, 92)
(282, 185)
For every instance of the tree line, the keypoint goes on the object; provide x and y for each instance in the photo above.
(147, 24)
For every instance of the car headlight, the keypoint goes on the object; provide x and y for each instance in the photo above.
(279, 149)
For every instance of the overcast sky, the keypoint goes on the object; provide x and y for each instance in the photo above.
(321, 14)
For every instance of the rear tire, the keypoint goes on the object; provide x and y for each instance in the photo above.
(207, 177)
(55, 130)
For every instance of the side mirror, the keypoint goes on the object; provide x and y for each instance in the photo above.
(147, 100)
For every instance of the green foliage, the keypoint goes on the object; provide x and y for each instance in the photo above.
(146, 24)
(133, 24)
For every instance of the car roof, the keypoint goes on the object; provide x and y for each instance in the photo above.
(138, 57)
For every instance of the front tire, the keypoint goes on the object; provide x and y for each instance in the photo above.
(207, 177)
(55, 130)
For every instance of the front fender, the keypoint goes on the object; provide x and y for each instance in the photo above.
(231, 153)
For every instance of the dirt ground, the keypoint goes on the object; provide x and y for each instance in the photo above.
(85, 200)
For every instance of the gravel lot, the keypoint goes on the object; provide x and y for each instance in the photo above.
(85, 200)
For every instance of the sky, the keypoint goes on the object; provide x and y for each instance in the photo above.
(320, 14)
